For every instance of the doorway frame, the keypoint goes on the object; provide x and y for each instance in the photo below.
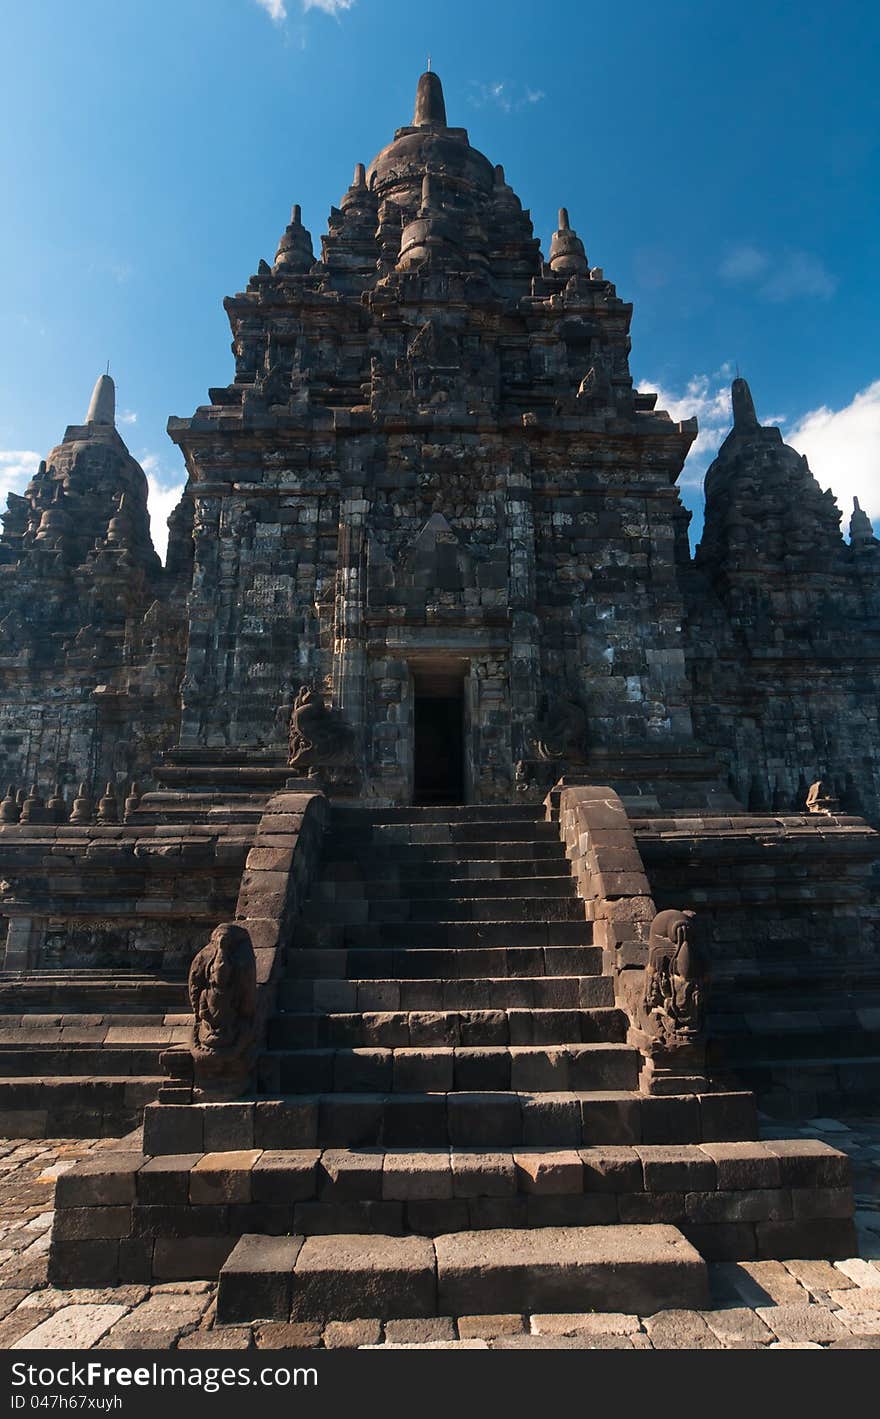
(446, 665)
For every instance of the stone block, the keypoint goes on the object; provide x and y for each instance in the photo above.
(423, 1071)
(219, 1178)
(808, 1162)
(672, 1118)
(611, 1169)
(483, 1174)
(344, 1174)
(744, 1165)
(670, 1168)
(286, 1123)
(103, 1180)
(285, 1176)
(166, 1179)
(88, 1223)
(550, 1172)
(829, 1238)
(350, 1277)
(612, 1119)
(416, 1176)
(174, 1128)
(256, 1279)
(228, 1127)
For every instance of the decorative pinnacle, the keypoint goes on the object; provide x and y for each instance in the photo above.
(744, 416)
(430, 103)
(564, 224)
(102, 409)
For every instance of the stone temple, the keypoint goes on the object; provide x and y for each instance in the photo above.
(508, 846)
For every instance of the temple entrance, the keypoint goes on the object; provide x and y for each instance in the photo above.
(438, 739)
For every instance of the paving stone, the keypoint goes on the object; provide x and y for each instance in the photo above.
(165, 1313)
(71, 1328)
(278, 1335)
(680, 1330)
(11, 1298)
(490, 1327)
(857, 1298)
(735, 1324)
(417, 1332)
(800, 1323)
(589, 1323)
(19, 1323)
(759, 1282)
(863, 1273)
(223, 1337)
(818, 1275)
(351, 1334)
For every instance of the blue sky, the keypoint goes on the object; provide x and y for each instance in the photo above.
(721, 164)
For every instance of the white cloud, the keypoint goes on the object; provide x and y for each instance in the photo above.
(329, 7)
(17, 467)
(128, 416)
(508, 97)
(842, 445)
(165, 491)
(843, 450)
(783, 277)
(707, 399)
(275, 9)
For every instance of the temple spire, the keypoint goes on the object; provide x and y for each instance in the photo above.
(744, 416)
(102, 409)
(430, 104)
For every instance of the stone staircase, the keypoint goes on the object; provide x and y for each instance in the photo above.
(448, 1115)
(79, 1049)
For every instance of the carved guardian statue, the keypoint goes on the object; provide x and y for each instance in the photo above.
(318, 739)
(676, 980)
(223, 996)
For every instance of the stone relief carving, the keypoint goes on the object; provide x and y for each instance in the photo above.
(561, 732)
(676, 980)
(223, 995)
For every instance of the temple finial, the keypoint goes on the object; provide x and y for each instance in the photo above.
(567, 255)
(564, 224)
(430, 104)
(102, 409)
(744, 416)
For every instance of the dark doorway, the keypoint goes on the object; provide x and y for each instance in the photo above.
(439, 741)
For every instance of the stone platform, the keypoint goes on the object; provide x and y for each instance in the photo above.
(451, 1052)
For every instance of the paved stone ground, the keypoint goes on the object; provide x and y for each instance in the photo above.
(767, 1304)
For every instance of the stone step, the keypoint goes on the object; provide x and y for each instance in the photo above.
(74, 1106)
(437, 1069)
(81, 1060)
(343, 817)
(99, 992)
(393, 855)
(361, 910)
(331, 996)
(472, 1119)
(418, 1029)
(431, 963)
(629, 1269)
(378, 869)
(489, 831)
(443, 935)
(415, 889)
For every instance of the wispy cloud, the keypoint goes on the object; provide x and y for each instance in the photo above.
(843, 449)
(706, 397)
(784, 276)
(842, 445)
(275, 9)
(501, 93)
(165, 490)
(329, 7)
(128, 416)
(17, 467)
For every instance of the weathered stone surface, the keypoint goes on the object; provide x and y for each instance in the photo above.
(348, 1277)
